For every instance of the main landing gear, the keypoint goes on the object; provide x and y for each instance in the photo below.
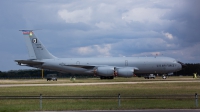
(108, 77)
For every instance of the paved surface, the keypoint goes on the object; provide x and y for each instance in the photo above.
(101, 83)
(146, 110)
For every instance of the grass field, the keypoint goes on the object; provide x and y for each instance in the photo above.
(148, 89)
(90, 80)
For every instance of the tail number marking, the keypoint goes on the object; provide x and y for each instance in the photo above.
(34, 40)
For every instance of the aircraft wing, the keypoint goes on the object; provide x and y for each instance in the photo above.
(83, 66)
(28, 62)
(96, 66)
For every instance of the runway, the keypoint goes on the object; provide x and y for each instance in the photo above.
(145, 110)
(99, 83)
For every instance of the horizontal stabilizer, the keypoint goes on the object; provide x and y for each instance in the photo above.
(28, 62)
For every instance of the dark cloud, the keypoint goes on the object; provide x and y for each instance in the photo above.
(77, 28)
(186, 23)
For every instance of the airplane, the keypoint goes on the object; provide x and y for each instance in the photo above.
(105, 68)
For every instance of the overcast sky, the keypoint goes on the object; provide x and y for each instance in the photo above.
(101, 28)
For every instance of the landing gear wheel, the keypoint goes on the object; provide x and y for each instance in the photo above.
(104, 77)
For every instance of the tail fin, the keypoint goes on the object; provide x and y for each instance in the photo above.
(35, 48)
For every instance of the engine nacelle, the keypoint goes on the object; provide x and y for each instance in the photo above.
(125, 72)
(105, 71)
(21, 64)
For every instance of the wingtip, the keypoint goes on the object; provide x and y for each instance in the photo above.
(26, 30)
(29, 30)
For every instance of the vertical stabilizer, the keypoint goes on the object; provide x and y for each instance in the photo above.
(35, 48)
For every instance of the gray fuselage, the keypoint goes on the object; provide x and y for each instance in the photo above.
(144, 64)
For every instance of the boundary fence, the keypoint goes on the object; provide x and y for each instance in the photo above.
(119, 97)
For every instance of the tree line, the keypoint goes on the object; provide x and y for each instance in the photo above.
(35, 74)
(188, 70)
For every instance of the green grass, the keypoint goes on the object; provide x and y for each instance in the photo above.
(86, 104)
(180, 88)
(91, 80)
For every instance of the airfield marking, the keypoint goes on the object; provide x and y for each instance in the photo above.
(81, 84)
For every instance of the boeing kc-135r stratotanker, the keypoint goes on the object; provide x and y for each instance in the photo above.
(108, 68)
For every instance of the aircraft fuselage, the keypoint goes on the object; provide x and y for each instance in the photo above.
(144, 64)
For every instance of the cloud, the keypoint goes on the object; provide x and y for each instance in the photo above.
(148, 54)
(84, 50)
(103, 28)
(144, 15)
(168, 35)
(103, 50)
(75, 16)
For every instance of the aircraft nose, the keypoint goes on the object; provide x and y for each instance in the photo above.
(182, 64)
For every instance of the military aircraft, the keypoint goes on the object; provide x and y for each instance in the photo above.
(105, 68)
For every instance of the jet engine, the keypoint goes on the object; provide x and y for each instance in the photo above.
(125, 72)
(105, 71)
(21, 64)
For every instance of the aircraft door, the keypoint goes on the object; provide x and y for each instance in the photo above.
(126, 62)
